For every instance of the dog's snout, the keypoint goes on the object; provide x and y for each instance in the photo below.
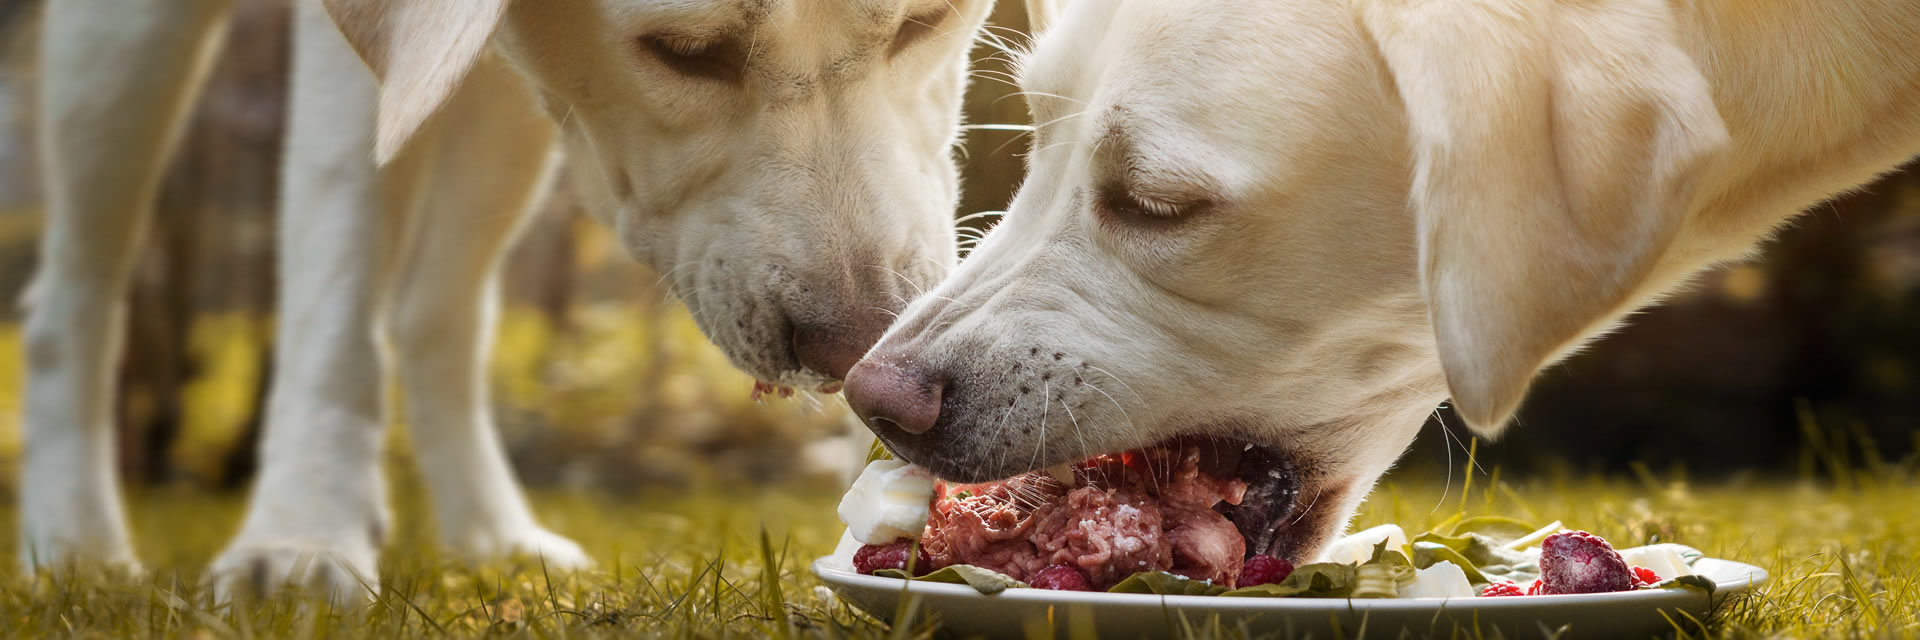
(829, 350)
(894, 397)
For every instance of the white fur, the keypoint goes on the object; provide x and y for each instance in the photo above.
(1365, 208)
(815, 188)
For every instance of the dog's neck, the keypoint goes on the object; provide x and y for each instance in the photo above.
(1817, 97)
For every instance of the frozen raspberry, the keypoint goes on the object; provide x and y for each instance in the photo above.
(1643, 577)
(1502, 588)
(893, 555)
(1580, 562)
(1061, 577)
(1264, 569)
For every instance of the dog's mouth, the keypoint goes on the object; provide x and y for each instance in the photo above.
(1272, 494)
(766, 389)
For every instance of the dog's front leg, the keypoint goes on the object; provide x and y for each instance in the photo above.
(318, 511)
(117, 78)
(493, 164)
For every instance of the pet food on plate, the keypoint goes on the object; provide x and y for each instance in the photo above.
(1153, 521)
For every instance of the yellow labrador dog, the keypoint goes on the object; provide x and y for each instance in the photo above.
(1298, 225)
(785, 164)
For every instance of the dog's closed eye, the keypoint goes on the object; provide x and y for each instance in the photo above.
(1123, 204)
(718, 59)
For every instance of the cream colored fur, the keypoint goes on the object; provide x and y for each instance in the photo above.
(797, 196)
(1307, 223)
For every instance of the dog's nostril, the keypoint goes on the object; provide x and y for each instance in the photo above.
(891, 396)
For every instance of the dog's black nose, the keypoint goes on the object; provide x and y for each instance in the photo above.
(892, 394)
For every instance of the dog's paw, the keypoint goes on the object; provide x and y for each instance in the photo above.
(340, 570)
(553, 550)
(59, 543)
(50, 558)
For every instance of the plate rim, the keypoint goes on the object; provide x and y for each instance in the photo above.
(823, 569)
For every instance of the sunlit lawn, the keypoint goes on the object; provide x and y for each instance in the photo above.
(1842, 537)
(1844, 560)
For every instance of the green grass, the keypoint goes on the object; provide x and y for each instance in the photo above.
(1845, 557)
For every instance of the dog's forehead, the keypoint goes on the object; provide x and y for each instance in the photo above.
(808, 21)
(801, 46)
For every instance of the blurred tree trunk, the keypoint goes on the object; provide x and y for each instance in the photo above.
(210, 249)
(159, 359)
(555, 238)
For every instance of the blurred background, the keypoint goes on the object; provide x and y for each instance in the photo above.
(602, 383)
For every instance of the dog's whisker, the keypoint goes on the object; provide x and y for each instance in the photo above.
(916, 286)
(1446, 488)
(1123, 383)
(981, 215)
(1036, 128)
(1045, 403)
(1041, 150)
(1084, 449)
(1309, 509)
(1044, 94)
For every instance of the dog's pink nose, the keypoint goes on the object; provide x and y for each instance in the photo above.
(891, 395)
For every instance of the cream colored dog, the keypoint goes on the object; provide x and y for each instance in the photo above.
(785, 164)
(1303, 224)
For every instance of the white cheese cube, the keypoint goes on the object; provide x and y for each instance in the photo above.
(1358, 548)
(887, 502)
(1442, 580)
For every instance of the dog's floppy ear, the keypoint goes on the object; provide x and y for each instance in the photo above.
(1555, 146)
(419, 49)
(1042, 13)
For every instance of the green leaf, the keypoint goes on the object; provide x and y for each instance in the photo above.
(1482, 551)
(1695, 581)
(1381, 580)
(1161, 583)
(1500, 530)
(1321, 580)
(986, 581)
(1425, 554)
(878, 452)
(1383, 574)
(1534, 538)
(1382, 555)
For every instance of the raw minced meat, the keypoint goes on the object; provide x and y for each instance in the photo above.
(1143, 510)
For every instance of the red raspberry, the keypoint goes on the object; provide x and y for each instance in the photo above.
(1580, 562)
(1264, 569)
(1501, 588)
(893, 555)
(1643, 577)
(1061, 577)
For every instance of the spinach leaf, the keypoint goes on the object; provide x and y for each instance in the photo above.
(1166, 584)
(986, 581)
(1322, 580)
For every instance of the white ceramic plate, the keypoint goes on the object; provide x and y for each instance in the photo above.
(1013, 612)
